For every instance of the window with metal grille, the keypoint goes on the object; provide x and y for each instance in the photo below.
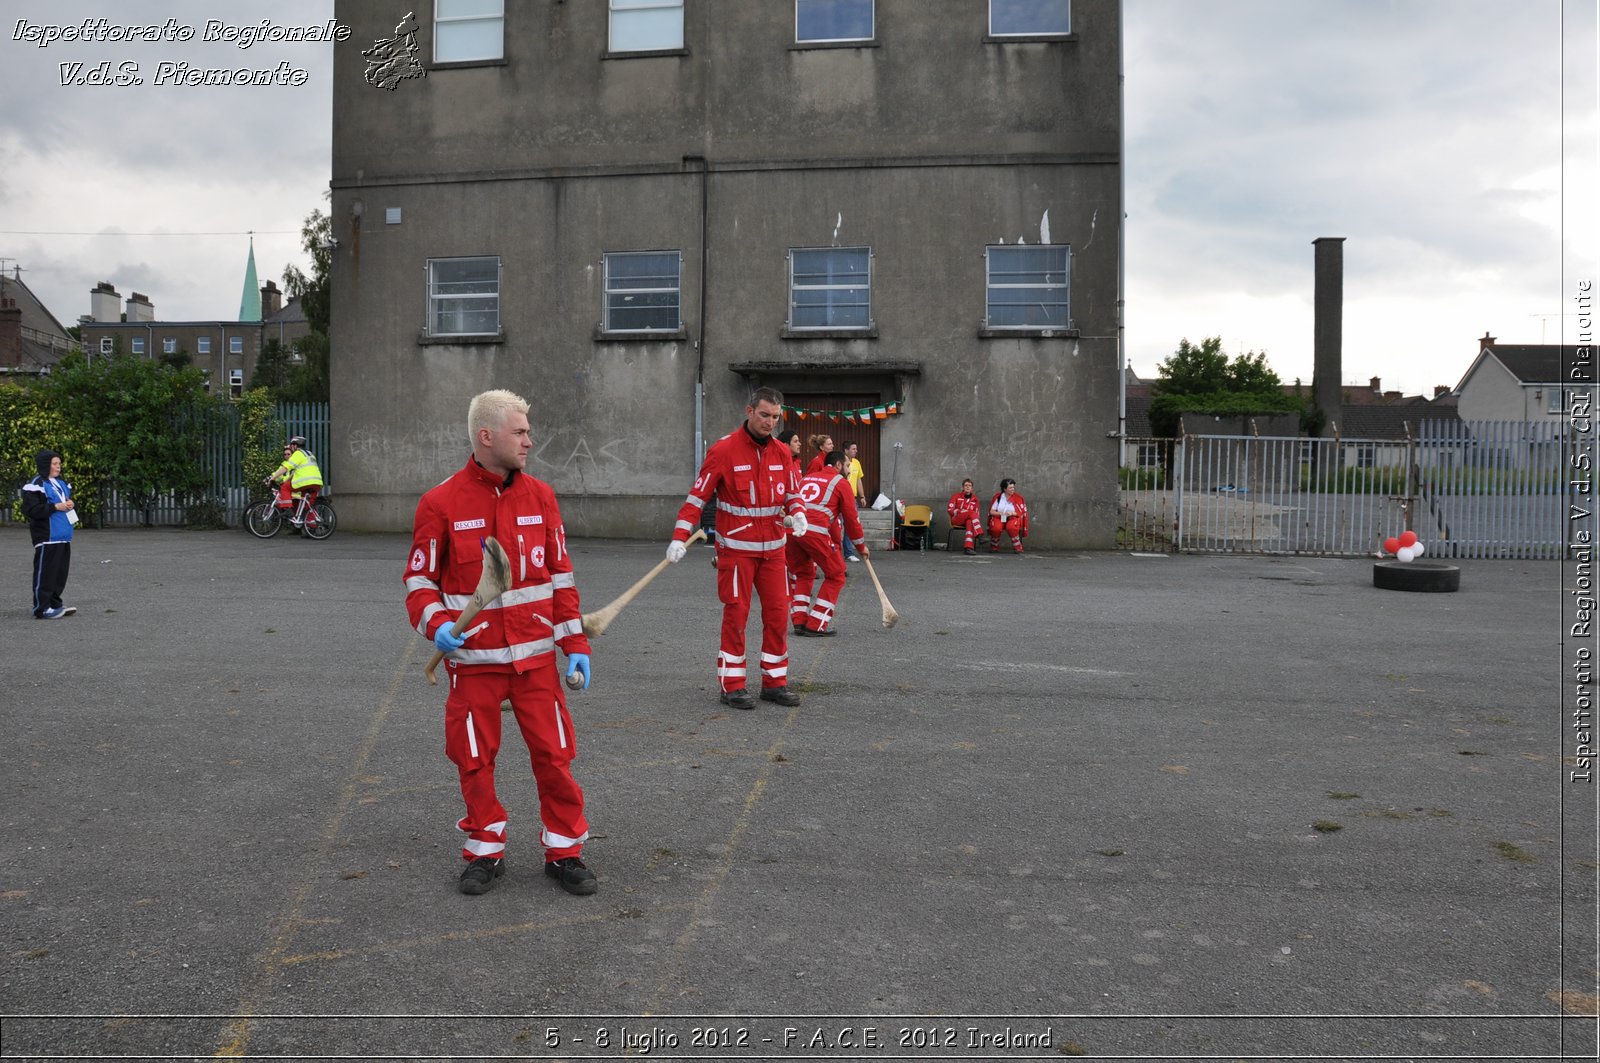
(643, 291)
(465, 31)
(646, 25)
(830, 288)
(464, 296)
(1030, 18)
(1028, 287)
(821, 21)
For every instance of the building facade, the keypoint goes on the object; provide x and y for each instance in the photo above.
(226, 351)
(905, 214)
(1517, 382)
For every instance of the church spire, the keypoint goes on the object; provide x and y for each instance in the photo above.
(250, 301)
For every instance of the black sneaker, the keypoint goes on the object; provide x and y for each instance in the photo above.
(573, 875)
(480, 875)
(805, 632)
(739, 699)
(970, 552)
(781, 695)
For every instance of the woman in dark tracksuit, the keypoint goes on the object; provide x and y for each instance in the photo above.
(47, 503)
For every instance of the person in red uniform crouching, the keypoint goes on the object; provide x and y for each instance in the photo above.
(1008, 514)
(750, 475)
(826, 495)
(510, 653)
(965, 514)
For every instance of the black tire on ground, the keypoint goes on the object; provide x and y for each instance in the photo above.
(1428, 576)
(326, 522)
(263, 520)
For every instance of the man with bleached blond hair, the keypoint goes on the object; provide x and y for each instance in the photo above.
(511, 653)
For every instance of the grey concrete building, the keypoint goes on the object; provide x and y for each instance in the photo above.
(634, 212)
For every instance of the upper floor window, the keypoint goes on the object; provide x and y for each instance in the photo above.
(1027, 287)
(644, 291)
(203, 344)
(830, 287)
(138, 345)
(465, 31)
(818, 21)
(646, 25)
(169, 345)
(105, 345)
(464, 296)
(1029, 18)
(235, 344)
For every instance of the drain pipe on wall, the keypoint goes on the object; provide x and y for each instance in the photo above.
(700, 324)
(1122, 245)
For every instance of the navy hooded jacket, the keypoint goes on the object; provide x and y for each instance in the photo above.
(46, 523)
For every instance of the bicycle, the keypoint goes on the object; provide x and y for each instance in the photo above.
(266, 518)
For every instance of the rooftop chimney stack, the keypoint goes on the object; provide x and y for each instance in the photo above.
(271, 299)
(1328, 328)
(1485, 342)
(10, 333)
(105, 304)
(140, 308)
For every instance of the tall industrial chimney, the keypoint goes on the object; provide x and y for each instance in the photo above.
(1328, 322)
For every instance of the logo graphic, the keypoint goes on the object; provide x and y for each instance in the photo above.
(392, 60)
(537, 557)
(418, 559)
(810, 491)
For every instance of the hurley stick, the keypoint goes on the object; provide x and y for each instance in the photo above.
(889, 615)
(596, 623)
(491, 585)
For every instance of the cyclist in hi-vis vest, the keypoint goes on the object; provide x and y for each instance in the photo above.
(300, 475)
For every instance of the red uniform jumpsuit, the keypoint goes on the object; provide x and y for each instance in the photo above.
(964, 511)
(753, 484)
(510, 650)
(1015, 526)
(826, 495)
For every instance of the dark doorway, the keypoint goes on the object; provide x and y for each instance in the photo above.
(866, 436)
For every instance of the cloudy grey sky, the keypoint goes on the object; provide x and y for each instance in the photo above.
(1427, 133)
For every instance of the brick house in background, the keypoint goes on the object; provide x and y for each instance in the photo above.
(1516, 382)
(226, 351)
(31, 339)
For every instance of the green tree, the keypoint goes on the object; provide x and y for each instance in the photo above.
(261, 438)
(141, 423)
(1203, 380)
(272, 366)
(308, 381)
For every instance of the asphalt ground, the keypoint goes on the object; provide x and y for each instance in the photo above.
(1109, 806)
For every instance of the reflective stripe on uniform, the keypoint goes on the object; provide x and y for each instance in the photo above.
(506, 654)
(725, 542)
(749, 511)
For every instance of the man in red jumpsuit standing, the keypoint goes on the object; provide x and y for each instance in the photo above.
(963, 509)
(510, 653)
(826, 495)
(750, 475)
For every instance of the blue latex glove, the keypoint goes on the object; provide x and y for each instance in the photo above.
(444, 641)
(579, 662)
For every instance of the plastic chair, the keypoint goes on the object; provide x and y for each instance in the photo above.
(916, 524)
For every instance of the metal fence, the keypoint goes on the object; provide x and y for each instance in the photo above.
(1493, 489)
(222, 456)
(1468, 489)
